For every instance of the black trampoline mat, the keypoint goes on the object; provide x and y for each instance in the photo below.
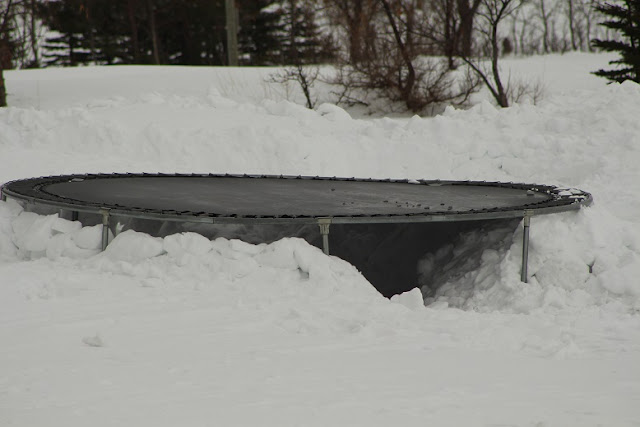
(284, 197)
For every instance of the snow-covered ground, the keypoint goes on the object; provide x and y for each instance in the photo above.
(186, 331)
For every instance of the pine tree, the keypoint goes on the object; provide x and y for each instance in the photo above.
(302, 41)
(261, 32)
(7, 45)
(624, 18)
(69, 20)
(179, 32)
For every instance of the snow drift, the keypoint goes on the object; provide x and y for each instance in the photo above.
(586, 139)
(186, 330)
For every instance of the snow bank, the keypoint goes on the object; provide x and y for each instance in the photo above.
(575, 260)
(303, 288)
(585, 138)
(183, 330)
(31, 236)
(8, 211)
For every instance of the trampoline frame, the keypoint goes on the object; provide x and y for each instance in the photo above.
(559, 202)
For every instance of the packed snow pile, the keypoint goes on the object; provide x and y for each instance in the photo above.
(586, 139)
(289, 269)
(186, 330)
(576, 260)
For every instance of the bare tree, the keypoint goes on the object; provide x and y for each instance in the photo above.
(24, 29)
(396, 69)
(545, 26)
(572, 22)
(304, 76)
(548, 14)
(494, 12)
(580, 15)
(467, 10)
(588, 13)
(450, 25)
(6, 45)
(355, 19)
(406, 84)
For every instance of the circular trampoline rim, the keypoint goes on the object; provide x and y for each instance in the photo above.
(558, 203)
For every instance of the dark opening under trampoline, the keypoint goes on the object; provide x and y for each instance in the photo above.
(263, 199)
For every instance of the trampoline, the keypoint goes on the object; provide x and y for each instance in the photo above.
(268, 199)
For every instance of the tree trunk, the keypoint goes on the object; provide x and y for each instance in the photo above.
(32, 35)
(72, 54)
(545, 26)
(154, 32)
(495, 53)
(355, 37)
(450, 34)
(357, 23)
(3, 89)
(231, 22)
(406, 87)
(572, 27)
(588, 16)
(467, 10)
(135, 43)
(293, 57)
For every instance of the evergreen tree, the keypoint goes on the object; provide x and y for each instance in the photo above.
(179, 32)
(69, 20)
(624, 17)
(192, 33)
(7, 45)
(261, 32)
(302, 42)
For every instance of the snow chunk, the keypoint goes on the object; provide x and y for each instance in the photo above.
(288, 109)
(61, 225)
(235, 249)
(88, 237)
(411, 299)
(133, 246)
(333, 113)
(280, 254)
(178, 245)
(63, 245)
(7, 247)
(485, 108)
(8, 211)
(32, 231)
(58, 245)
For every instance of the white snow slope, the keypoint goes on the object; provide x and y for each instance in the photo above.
(184, 331)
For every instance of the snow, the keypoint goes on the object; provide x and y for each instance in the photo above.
(186, 330)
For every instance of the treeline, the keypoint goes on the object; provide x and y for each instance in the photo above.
(271, 32)
(191, 32)
(380, 48)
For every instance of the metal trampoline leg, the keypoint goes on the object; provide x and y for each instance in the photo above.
(324, 224)
(525, 248)
(74, 215)
(105, 229)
